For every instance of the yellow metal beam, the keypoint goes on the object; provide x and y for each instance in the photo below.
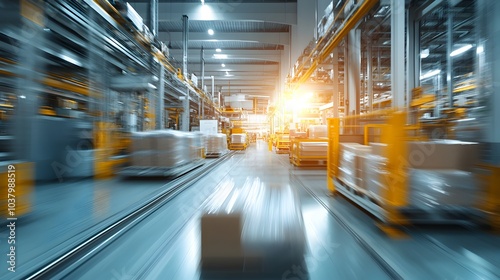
(335, 41)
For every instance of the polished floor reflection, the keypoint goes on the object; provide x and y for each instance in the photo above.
(166, 244)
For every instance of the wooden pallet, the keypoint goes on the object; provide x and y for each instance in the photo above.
(159, 172)
(445, 214)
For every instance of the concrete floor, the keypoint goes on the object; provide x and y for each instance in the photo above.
(166, 244)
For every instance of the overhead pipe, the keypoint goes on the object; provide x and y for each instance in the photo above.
(153, 24)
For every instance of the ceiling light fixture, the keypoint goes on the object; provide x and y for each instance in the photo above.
(218, 50)
(461, 50)
(430, 74)
(220, 56)
(424, 53)
(223, 65)
(210, 31)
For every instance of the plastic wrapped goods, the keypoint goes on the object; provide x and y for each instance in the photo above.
(318, 131)
(196, 145)
(172, 149)
(427, 188)
(160, 148)
(141, 149)
(433, 188)
(375, 175)
(238, 138)
(216, 144)
(313, 148)
(351, 163)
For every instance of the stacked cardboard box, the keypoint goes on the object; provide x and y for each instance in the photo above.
(351, 165)
(313, 148)
(238, 138)
(216, 144)
(318, 131)
(252, 224)
(163, 148)
(439, 173)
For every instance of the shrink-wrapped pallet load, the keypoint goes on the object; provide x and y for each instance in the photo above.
(312, 149)
(141, 149)
(196, 145)
(351, 167)
(172, 148)
(318, 131)
(216, 144)
(238, 138)
(439, 173)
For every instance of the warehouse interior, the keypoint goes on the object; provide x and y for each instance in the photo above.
(256, 139)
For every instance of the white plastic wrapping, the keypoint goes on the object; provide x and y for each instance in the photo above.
(161, 148)
(433, 188)
(318, 131)
(215, 144)
(238, 138)
(427, 188)
(375, 175)
(351, 167)
(313, 148)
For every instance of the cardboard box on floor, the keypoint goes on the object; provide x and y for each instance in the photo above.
(221, 245)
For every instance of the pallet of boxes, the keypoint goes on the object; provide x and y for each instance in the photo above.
(163, 153)
(438, 181)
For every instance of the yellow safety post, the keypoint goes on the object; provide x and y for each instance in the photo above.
(21, 182)
(332, 158)
(491, 201)
(395, 195)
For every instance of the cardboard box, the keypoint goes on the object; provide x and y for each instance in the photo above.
(351, 163)
(443, 154)
(379, 149)
(221, 245)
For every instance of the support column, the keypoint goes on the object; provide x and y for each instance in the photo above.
(335, 81)
(160, 106)
(202, 62)
(369, 73)
(153, 24)
(185, 39)
(185, 114)
(413, 51)
(213, 87)
(353, 69)
(398, 19)
(488, 74)
(27, 88)
(449, 61)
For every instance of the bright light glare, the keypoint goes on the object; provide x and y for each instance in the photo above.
(430, 74)
(203, 2)
(461, 50)
(220, 56)
(210, 31)
(22, 96)
(424, 53)
(218, 50)
(480, 49)
(223, 65)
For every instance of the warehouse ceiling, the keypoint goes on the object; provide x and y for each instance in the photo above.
(251, 35)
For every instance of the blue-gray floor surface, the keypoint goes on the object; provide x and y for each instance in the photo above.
(166, 244)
